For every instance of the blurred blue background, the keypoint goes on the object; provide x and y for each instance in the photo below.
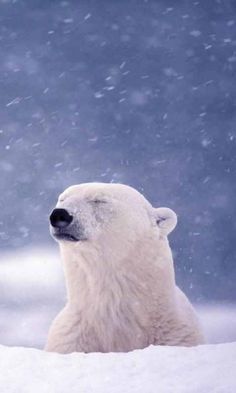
(138, 92)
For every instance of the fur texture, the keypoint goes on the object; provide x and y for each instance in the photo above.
(119, 275)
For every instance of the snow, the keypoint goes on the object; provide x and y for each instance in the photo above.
(218, 322)
(31, 293)
(203, 369)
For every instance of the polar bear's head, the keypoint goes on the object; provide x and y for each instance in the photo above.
(94, 212)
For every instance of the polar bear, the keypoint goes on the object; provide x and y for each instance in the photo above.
(119, 273)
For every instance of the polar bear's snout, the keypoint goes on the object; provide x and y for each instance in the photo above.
(62, 227)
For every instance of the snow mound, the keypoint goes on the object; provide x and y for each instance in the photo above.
(202, 369)
(218, 322)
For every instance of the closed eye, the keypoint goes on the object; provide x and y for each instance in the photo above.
(98, 201)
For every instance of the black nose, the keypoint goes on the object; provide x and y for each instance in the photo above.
(60, 218)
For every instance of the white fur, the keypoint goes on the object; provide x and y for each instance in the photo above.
(120, 282)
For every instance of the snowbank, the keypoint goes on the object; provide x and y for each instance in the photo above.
(32, 291)
(218, 322)
(203, 369)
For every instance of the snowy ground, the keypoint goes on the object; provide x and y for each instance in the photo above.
(32, 292)
(203, 369)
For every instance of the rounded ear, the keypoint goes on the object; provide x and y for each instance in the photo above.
(166, 219)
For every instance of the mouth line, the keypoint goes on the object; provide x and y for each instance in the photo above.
(65, 236)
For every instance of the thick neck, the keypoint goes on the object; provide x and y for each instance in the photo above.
(92, 276)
